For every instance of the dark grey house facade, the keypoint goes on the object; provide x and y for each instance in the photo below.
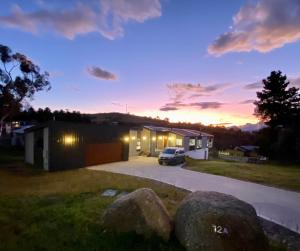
(62, 145)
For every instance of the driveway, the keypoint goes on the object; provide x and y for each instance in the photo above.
(277, 205)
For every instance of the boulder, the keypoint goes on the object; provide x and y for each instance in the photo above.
(214, 221)
(141, 212)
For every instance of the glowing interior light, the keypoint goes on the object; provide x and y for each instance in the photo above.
(126, 139)
(133, 137)
(144, 137)
(153, 138)
(160, 137)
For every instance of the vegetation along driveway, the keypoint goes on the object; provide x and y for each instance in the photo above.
(277, 205)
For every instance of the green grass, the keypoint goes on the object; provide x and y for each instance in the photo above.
(63, 210)
(282, 176)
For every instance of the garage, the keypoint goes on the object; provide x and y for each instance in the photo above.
(58, 145)
(103, 153)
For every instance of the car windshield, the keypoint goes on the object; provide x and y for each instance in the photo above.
(169, 151)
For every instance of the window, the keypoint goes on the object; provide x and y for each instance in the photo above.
(192, 142)
(178, 142)
(199, 143)
(169, 151)
(210, 143)
(138, 145)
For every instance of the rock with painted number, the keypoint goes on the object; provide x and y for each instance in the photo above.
(141, 212)
(214, 221)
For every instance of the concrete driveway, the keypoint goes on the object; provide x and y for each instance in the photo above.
(277, 205)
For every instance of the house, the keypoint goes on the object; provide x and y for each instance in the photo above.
(18, 136)
(151, 140)
(62, 145)
(248, 150)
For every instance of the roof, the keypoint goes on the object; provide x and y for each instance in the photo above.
(22, 129)
(249, 148)
(158, 128)
(186, 132)
(179, 131)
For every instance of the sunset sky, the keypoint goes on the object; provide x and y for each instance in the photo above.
(197, 61)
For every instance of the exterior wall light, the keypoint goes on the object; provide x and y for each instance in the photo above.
(160, 137)
(69, 140)
(153, 138)
(126, 139)
(133, 137)
(144, 137)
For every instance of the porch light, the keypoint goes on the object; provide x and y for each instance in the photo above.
(144, 137)
(153, 138)
(126, 139)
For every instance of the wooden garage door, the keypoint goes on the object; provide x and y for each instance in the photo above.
(103, 153)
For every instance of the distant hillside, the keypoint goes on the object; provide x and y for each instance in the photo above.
(123, 118)
(252, 127)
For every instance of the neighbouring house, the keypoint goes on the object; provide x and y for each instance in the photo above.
(248, 150)
(62, 145)
(151, 140)
(18, 136)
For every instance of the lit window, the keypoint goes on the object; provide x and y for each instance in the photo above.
(178, 142)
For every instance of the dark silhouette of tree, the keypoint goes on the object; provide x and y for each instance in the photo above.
(20, 79)
(278, 105)
(44, 115)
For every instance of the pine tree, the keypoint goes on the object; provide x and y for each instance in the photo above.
(278, 105)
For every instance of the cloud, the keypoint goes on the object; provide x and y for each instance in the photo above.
(100, 73)
(252, 86)
(168, 108)
(294, 82)
(182, 92)
(248, 101)
(201, 105)
(179, 91)
(106, 17)
(195, 88)
(206, 105)
(262, 27)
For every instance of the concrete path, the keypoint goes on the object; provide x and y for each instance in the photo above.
(277, 205)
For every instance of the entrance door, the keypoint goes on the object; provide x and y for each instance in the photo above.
(165, 141)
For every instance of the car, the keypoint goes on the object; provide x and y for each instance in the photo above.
(171, 156)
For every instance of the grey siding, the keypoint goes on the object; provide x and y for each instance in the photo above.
(29, 148)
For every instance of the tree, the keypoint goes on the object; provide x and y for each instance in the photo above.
(20, 79)
(278, 105)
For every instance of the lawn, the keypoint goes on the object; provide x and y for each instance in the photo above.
(282, 176)
(63, 210)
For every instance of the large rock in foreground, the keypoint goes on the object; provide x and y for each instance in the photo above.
(214, 221)
(141, 212)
